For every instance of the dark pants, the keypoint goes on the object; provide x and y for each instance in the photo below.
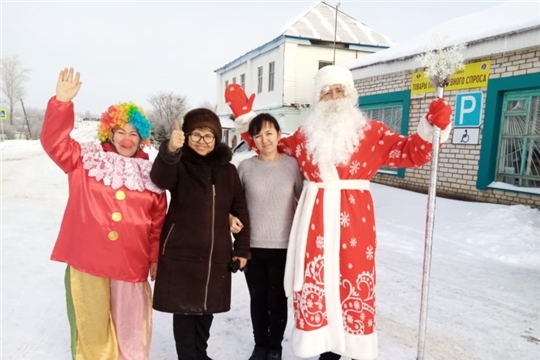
(264, 277)
(191, 334)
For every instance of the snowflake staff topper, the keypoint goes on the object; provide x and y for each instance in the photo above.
(441, 62)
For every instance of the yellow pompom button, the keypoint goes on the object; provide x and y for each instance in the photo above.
(113, 235)
(120, 195)
(117, 216)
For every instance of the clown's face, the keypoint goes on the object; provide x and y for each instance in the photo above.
(126, 140)
(333, 93)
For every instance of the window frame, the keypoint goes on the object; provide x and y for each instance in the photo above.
(493, 110)
(243, 81)
(260, 73)
(323, 63)
(509, 96)
(394, 99)
(271, 72)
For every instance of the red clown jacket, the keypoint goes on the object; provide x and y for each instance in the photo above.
(114, 213)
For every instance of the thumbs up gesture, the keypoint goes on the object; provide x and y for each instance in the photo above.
(177, 138)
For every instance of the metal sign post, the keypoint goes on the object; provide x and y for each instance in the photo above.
(440, 63)
(3, 116)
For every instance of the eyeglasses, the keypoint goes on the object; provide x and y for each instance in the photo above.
(208, 139)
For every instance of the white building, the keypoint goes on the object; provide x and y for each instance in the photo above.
(281, 71)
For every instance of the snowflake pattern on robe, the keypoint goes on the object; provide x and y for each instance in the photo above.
(357, 238)
(320, 242)
(353, 169)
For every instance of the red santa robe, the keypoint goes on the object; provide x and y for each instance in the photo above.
(331, 258)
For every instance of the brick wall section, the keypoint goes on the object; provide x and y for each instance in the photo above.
(458, 164)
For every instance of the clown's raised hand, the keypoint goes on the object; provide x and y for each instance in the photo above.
(67, 86)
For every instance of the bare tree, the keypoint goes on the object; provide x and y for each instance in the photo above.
(14, 76)
(35, 118)
(167, 107)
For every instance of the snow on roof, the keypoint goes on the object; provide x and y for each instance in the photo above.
(498, 21)
(318, 23)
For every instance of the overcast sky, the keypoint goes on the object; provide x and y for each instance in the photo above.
(126, 51)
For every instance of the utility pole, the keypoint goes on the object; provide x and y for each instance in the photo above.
(26, 119)
(335, 32)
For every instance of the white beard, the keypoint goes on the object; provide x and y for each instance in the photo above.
(333, 131)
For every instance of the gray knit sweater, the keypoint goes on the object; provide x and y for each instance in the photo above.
(272, 188)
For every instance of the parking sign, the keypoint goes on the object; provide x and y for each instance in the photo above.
(468, 109)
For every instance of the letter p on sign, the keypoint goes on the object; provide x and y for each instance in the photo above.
(468, 109)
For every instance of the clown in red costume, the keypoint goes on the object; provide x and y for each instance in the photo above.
(330, 269)
(109, 235)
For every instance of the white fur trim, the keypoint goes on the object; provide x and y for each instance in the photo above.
(294, 266)
(332, 242)
(334, 75)
(241, 123)
(307, 344)
(115, 170)
(425, 131)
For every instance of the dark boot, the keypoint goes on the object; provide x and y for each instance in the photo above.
(184, 336)
(259, 353)
(202, 328)
(273, 355)
(329, 356)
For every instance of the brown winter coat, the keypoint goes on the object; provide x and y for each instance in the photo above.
(196, 248)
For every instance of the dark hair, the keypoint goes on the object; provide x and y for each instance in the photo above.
(258, 122)
(202, 118)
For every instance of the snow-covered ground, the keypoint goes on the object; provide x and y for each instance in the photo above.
(485, 284)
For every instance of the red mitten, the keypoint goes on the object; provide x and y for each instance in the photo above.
(439, 114)
(240, 105)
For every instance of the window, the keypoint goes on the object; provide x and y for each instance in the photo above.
(225, 136)
(243, 81)
(393, 109)
(392, 116)
(271, 67)
(499, 93)
(226, 83)
(324, 63)
(234, 80)
(259, 79)
(518, 159)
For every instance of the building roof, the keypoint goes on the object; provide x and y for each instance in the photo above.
(497, 22)
(318, 23)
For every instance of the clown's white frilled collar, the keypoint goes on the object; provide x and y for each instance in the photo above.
(115, 170)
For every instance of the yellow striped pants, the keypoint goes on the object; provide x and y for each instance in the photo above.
(109, 319)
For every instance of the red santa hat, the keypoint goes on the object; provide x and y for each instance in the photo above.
(334, 75)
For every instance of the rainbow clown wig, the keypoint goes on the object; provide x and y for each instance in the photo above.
(117, 116)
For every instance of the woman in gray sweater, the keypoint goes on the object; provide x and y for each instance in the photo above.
(272, 183)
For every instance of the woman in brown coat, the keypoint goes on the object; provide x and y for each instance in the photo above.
(193, 278)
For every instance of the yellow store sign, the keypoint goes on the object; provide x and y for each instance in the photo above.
(474, 75)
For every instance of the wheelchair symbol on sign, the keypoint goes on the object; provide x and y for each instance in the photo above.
(465, 137)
